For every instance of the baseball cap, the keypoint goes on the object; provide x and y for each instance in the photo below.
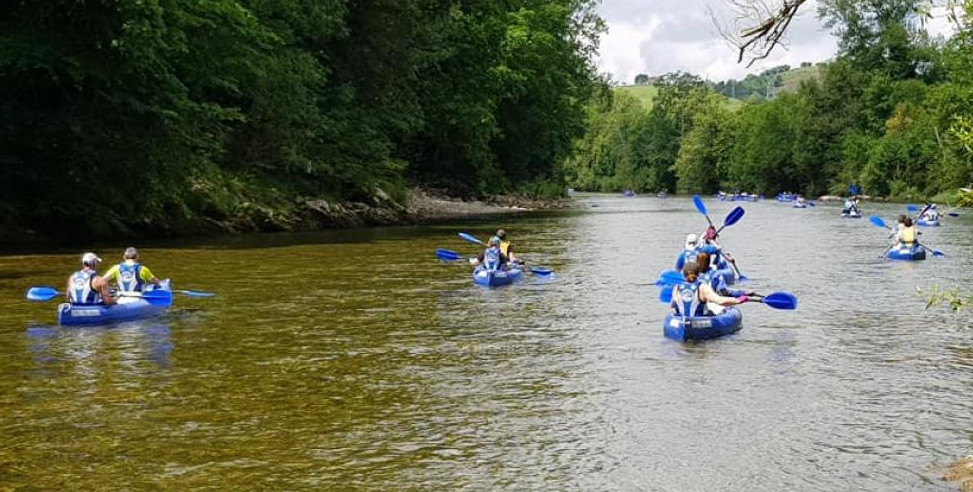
(90, 259)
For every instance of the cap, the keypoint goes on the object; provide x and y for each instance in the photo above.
(90, 259)
(131, 253)
(494, 241)
(691, 241)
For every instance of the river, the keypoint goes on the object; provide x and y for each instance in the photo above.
(353, 360)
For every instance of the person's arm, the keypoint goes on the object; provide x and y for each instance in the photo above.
(707, 294)
(67, 292)
(110, 275)
(100, 284)
(147, 277)
(510, 254)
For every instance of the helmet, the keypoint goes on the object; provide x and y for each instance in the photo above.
(502, 234)
(90, 259)
(933, 206)
(131, 253)
(494, 241)
(691, 241)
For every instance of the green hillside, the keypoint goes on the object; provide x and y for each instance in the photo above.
(792, 79)
(646, 94)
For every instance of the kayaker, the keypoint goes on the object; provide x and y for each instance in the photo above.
(717, 282)
(690, 298)
(130, 275)
(492, 257)
(850, 206)
(688, 255)
(85, 286)
(505, 246)
(931, 213)
(712, 247)
(908, 235)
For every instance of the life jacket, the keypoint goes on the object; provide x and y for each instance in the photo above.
(932, 215)
(685, 298)
(81, 290)
(847, 206)
(907, 236)
(687, 256)
(504, 246)
(129, 279)
(491, 259)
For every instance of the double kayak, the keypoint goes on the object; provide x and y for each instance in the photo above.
(496, 278)
(683, 328)
(851, 215)
(927, 223)
(914, 253)
(127, 309)
(799, 205)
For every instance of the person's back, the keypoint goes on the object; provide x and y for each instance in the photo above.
(492, 258)
(131, 275)
(907, 234)
(687, 255)
(85, 287)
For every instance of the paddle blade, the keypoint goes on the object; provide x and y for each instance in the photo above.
(154, 297)
(938, 254)
(912, 208)
(874, 219)
(699, 204)
(669, 278)
(443, 254)
(781, 300)
(953, 214)
(541, 272)
(41, 294)
(811, 204)
(470, 238)
(195, 293)
(665, 294)
(733, 217)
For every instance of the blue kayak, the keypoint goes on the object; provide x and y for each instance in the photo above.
(799, 205)
(927, 223)
(914, 253)
(496, 278)
(127, 309)
(683, 328)
(851, 215)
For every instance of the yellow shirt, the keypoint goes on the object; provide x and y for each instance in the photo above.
(907, 235)
(504, 246)
(144, 273)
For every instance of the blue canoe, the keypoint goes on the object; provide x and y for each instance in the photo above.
(927, 223)
(496, 278)
(683, 328)
(127, 309)
(909, 254)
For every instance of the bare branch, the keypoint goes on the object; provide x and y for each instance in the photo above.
(756, 27)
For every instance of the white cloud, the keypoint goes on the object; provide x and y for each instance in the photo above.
(667, 35)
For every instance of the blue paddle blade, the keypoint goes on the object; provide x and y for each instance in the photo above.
(733, 217)
(470, 238)
(781, 300)
(874, 219)
(41, 294)
(447, 255)
(541, 271)
(670, 277)
(811, 204)
(665, 294)
(195, 293)
(912, 208)
(699, 204)
(953, 214)
(938, 254)
(157, 297)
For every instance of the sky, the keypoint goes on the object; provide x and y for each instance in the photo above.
(659, 36)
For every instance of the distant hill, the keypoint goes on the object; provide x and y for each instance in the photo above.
(770, 82)
(646, 94)
(792, 78)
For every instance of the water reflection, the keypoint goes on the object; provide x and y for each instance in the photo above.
(131, 348)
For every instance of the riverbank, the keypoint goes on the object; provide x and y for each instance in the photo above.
(419, 206)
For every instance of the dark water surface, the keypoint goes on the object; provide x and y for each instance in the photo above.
(352, 359)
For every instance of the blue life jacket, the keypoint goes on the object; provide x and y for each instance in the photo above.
(128, 277)
(81, 290)
(687, 256)
(685, 299)
(491, 259)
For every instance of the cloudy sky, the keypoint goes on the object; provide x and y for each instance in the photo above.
(659, 36)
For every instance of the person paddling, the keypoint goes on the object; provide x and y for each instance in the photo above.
(85, 286)
(690, 297)
(717, 282)
(492, 258)
(908, 235)
(506, 248)
(130, 275)
(688, 255)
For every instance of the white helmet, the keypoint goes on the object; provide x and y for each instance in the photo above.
(691, 241)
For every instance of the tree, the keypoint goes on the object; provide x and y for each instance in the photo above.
(641, 79)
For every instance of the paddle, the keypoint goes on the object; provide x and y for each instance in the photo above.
(669, 277)
(731, 218)
(443, 254)
(155, 297)
(701, 207)
(777, 300)
(874, 219)
(733, 262)
(195, 293)
(470, 238)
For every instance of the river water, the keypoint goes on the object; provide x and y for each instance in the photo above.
(353, 360)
